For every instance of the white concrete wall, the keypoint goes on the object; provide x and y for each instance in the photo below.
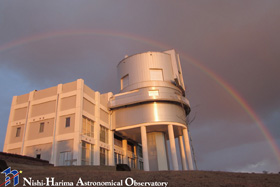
(52, 106)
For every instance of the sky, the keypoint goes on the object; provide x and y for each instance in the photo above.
(229, 54)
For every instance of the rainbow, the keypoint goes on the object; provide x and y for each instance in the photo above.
(237, 97)
(226, 86)
(51, 35)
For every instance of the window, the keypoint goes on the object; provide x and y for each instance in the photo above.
(141, 165)
(124, 81)
(153, 93)
(88, 128)
(67, 123)
(118, 142)
(38, 156)
(103, 156)
(118, 158)
(42, 127)
(87, 153)
(130, 147)
(18, 132)
(139, 151)
(92, 154)
(131, 162)
(103, 134)
(156, 74)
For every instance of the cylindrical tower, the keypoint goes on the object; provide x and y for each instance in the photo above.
(151, 108)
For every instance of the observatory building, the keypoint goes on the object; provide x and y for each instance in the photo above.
(70, 124)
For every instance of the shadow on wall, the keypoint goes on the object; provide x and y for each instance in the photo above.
(65, 155)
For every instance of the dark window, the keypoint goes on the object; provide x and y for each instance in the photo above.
(103, 134)
(103, 156)
(38, 156)
(130, 147)
(141, 165)
(117, 141)
(120, 159)
(67, 124)
(18, 132)
(116, 158)
(139, 151)
(42, 127)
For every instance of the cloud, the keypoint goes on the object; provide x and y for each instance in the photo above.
(258, 167)
(237, 40)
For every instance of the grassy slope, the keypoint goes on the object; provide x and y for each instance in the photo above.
(174, 178)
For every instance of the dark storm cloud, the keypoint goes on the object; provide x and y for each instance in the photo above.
(238, 40)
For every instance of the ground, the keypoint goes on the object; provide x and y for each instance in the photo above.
(174, 178)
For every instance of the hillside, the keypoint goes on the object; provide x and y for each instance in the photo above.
(66, 175)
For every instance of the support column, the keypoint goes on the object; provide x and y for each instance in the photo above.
(167, 151)
(77, 147)
(145, 148)
(111, 152)
(124, 145)
(173, 147)
(27, 121)
(97, 130)
(135, 156)
(183, 155)
(111, 138)
(188, 149)
(54, 155)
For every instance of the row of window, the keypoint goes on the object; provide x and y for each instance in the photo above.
(88, 130)
(118, 158)
(42, 127)
(131, 161)
(88, 154)
(66, 158)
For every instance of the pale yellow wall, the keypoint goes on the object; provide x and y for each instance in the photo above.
(89, 91)
(68, 87)
(61, 126)
(104, 99)
(68, 103)
(14, 151)
(13, 138)
(35, 127)
(22, 98)
(45, 93)
(39, 109)
(44, 149)
(20, 113)
(43, 108)
(88, 106)
(104, 116)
